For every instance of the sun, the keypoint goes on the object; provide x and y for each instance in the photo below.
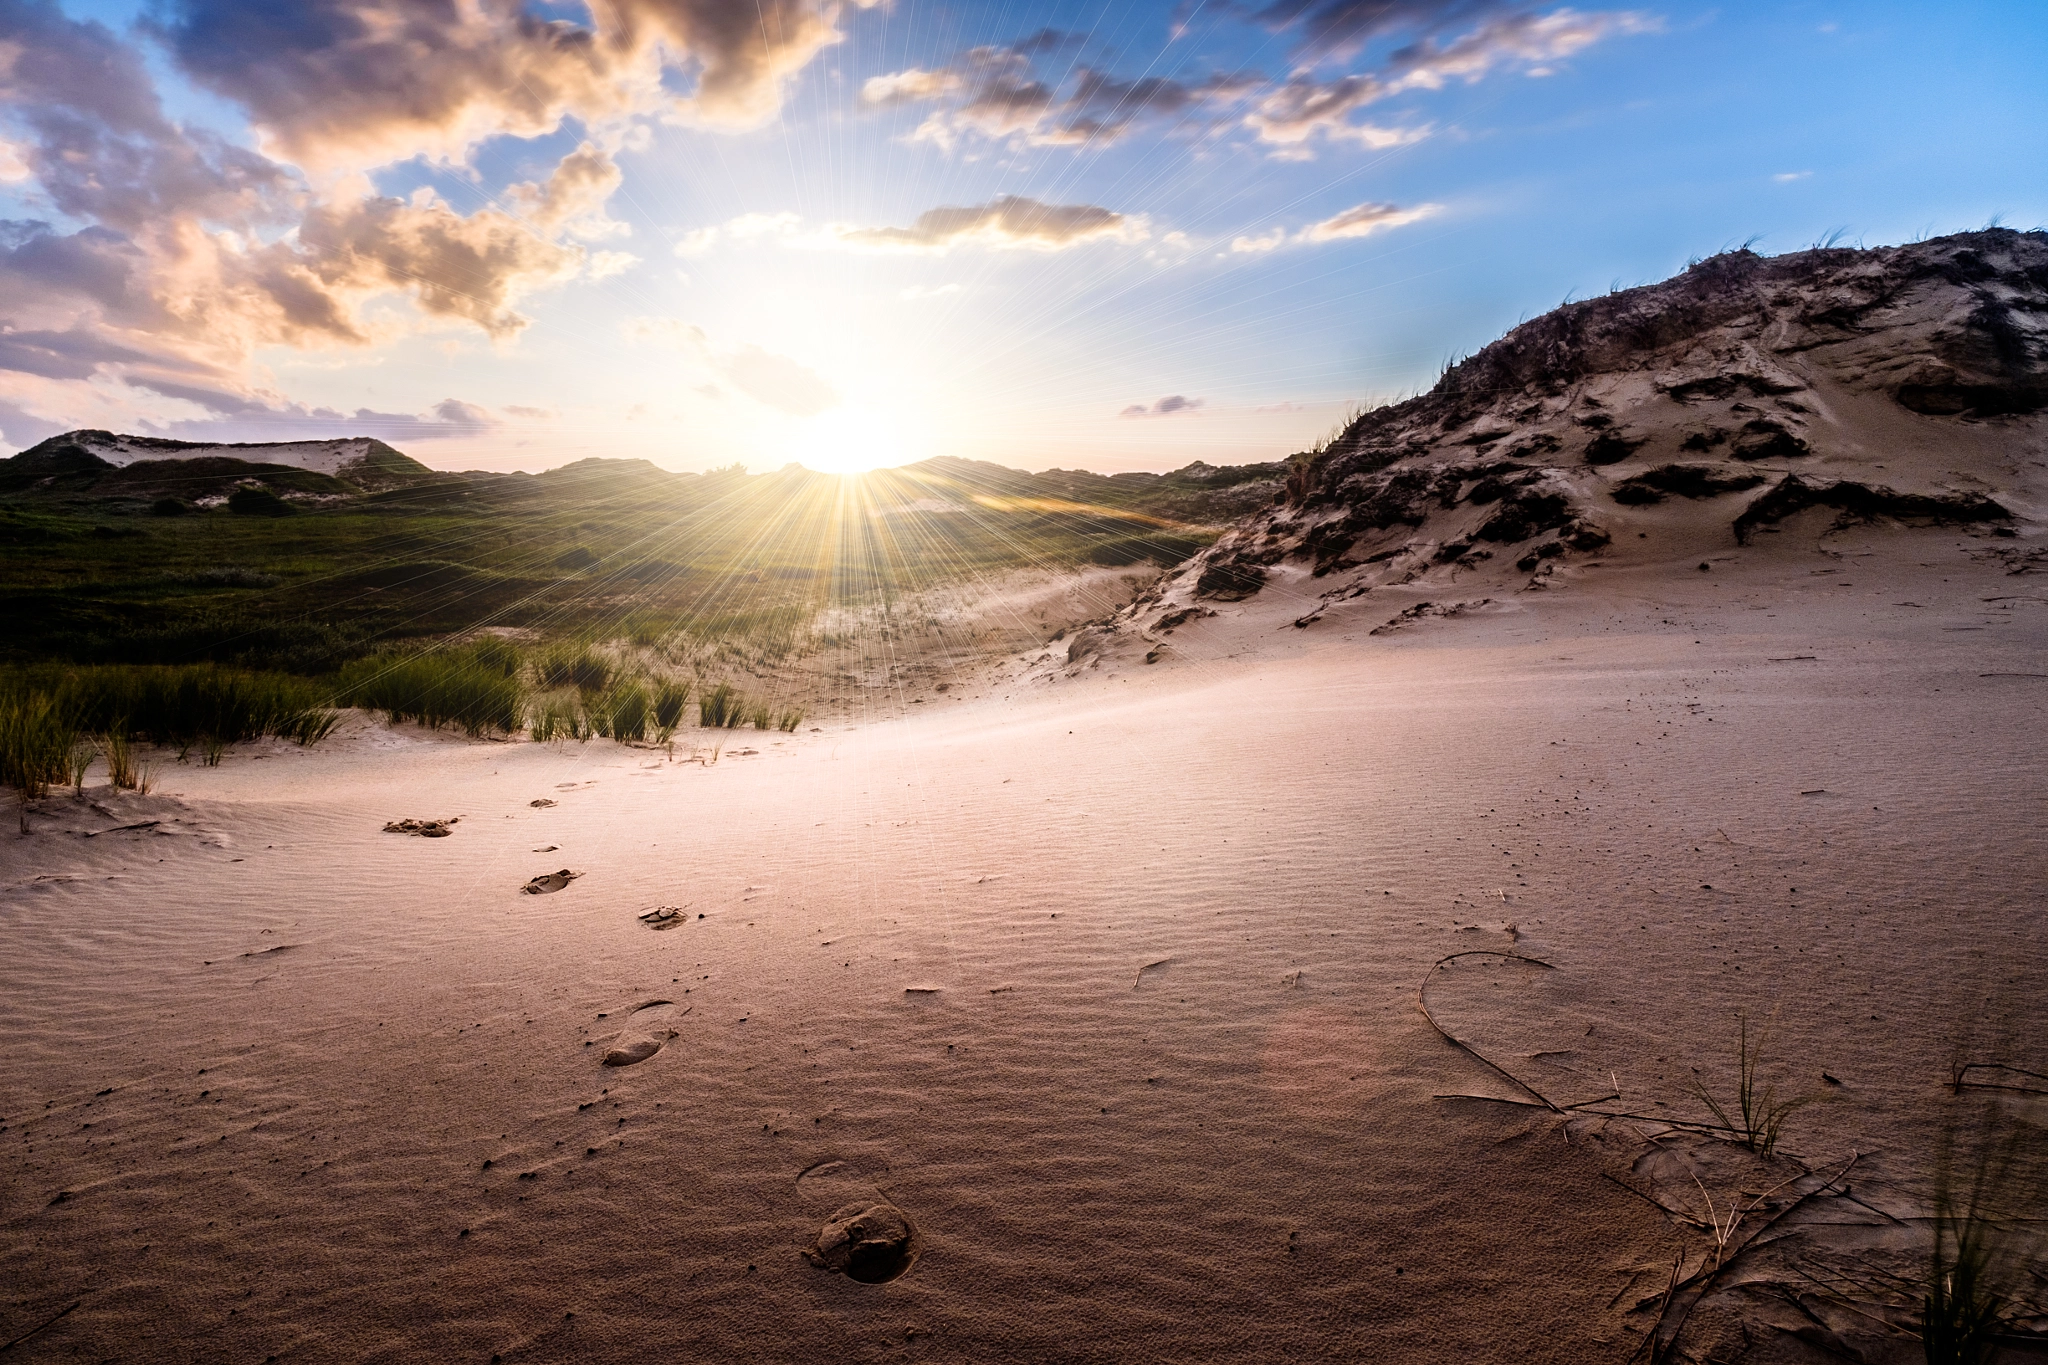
(852, 440)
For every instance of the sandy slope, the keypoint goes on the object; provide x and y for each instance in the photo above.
(1108, 982)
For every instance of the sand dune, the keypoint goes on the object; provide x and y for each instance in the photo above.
(1107, 983)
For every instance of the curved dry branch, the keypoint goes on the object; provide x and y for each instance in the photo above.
(1422, 1002)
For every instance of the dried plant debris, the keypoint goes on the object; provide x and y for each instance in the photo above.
(1785, 1259)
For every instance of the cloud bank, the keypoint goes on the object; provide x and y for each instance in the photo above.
(996, 92)
(171, 255)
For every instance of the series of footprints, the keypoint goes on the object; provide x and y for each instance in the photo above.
(861, 1236)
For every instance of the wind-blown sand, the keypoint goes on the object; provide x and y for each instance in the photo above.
(1108, 983)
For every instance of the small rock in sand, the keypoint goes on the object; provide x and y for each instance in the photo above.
(871, 1243)
(551, 881)
(425, 829)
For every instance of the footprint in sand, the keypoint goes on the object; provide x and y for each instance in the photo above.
(664, 916)
(552, 881)
(864, 1237)
(425, 829)
(540, 804)
(645, 1031)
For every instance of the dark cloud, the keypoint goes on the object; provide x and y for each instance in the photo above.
(281, 421)
(1165, 407)
(1338, 27)
(1049, 42)
(1305, 106)
(1006, 221)
(995, 92)
(1104, 106)
(363, 82)
(73, 354)
(97, 139)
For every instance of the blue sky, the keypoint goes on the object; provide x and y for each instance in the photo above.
(1116, 236)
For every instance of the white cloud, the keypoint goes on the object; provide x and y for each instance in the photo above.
(902, 87)
(1007, 222)
(670, 333)
(748, 227)
(1303, 107)
(605, 264)
(1360, 220)
(1363, 220)
(1787, 177)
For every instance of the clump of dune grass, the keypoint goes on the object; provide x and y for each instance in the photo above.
(37, 745)
(721, 707)
(458, 687)
(579, 668)
(555, 720)
(1976, 1272)
(1758, 1115)
(621, 712)
(790, 719)
(120, 756)
(81, 758)
(759, 715)
(669, 700)
(497, 654)
(177, 705)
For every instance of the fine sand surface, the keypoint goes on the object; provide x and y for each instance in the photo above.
(1108, 982)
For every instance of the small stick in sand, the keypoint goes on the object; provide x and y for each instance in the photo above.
(52, 1321)
(1146, 968)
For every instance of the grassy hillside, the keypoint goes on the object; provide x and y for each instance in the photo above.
(226, 561)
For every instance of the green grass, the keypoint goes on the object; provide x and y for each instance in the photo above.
(621, 713)
(458, 687)
(177, 705)
(721, 707)
(669, 700)
(1758, 1115)
(555, 720)
(579, 668)
(37, 747)
(1976, 1290)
